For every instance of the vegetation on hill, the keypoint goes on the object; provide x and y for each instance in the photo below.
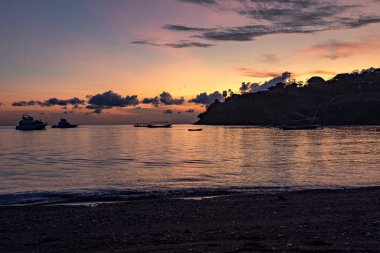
(346, 99)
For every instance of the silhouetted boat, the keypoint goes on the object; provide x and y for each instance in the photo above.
(28, 123)
(301, 127)
(303, 124)
(63, 123)
(159, 125)
(140, 125)
(195, 129)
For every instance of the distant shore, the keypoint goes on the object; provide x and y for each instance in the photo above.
(304, 221)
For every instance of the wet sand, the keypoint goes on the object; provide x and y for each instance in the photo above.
(307, 221)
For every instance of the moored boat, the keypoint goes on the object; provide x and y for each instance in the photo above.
(27, 123)
(194, 129)
(300, 127)
(140, 125)
(303, 124)
(63, 123)
(159, 125)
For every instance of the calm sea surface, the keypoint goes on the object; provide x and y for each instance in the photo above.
(112, 162)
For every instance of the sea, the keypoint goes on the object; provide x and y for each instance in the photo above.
(119, 163)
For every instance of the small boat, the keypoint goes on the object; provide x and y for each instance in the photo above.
(63, 123)
(308, 123)
(195, 129)
(300, 127)
(159, 125)
(27, 123)
(140, 125)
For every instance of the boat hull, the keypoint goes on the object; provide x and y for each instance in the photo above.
(140, 125)
(31, 127)
(164, 126)
(71, 126)
(302, 127)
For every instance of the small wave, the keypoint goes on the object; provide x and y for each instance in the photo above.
(198, 162)
(158, 164)
(42, 198)
(115, 195)
(186, 179)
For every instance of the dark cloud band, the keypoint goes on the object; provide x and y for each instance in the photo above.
(179, 44)
(207, 99)
(275, 17)
(51, 102)
(112, 99)
(165, 98)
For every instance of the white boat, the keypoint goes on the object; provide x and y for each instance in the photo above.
(28, 123)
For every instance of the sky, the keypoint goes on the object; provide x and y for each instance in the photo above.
(126, 61)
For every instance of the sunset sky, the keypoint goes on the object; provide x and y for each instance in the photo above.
(167, 52)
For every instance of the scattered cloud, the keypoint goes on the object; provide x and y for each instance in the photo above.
(179, 44)
(251, 72)
(245, 87)
(267, 17)
(275, 17)
(154, 101)
(164, 98)
(255, 87)
(352, 23)
(184, 43)
(205, 2)
(207, 99)
(167, 99)
(146, 43)
(321, 72)
(92, 107)
(183, 28)
(239, 33)
(190, 111)
(27, 103)
(337, 49)
(307, 15)
(51, 102)
(71, 101)
(110, 99)
(268, 58)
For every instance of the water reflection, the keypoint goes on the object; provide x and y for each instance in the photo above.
(123, 157)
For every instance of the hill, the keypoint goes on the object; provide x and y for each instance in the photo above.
(346, 99)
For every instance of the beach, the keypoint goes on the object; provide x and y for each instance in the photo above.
(301, 221)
